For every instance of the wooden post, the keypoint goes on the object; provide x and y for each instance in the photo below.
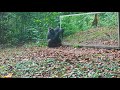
(60, 22)
(119, 29)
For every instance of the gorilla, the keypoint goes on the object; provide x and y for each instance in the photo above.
(53, 37)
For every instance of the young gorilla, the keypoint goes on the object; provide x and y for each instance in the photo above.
(53, 37)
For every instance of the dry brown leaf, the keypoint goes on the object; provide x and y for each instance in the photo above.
(8, 76)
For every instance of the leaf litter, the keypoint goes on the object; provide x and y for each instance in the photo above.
(62, 62)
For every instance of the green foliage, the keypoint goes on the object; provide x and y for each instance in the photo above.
(73, 24)
(108, 19)
(23, 27)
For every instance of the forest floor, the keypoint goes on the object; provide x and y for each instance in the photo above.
(64, 61)
(61, 62)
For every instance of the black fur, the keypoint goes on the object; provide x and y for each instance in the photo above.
(53, 37)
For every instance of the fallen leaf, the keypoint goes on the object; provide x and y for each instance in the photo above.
(8, 76)
(87, 59)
